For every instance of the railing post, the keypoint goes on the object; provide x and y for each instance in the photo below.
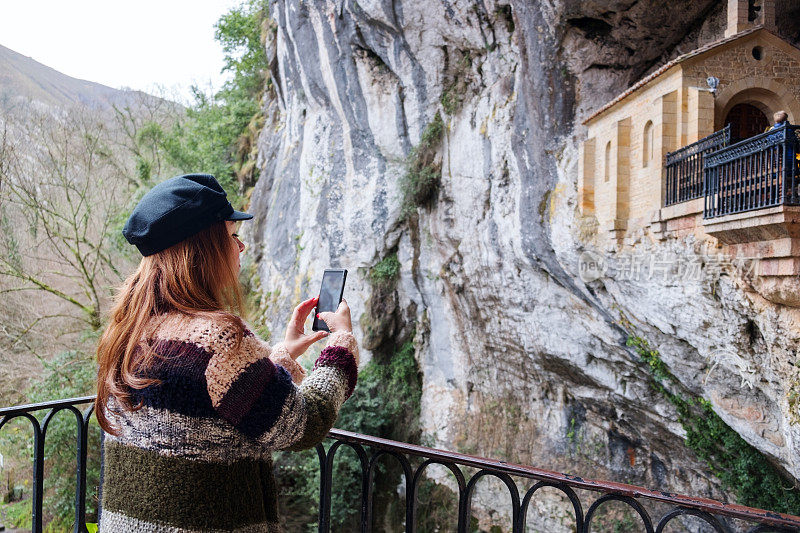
(324, 490)
(80, 473)
(38, 479)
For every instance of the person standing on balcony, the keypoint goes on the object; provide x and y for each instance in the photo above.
(191, 400)
(790, 156)
(781, 119)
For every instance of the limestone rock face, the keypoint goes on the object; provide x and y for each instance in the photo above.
(523, 357)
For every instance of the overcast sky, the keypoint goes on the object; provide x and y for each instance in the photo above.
(120, 44)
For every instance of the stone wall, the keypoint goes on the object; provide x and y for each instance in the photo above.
(771, 80)
(633, 192)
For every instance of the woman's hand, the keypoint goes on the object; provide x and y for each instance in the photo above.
(296, 340)
(340, 320)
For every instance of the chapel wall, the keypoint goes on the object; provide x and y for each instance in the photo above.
(629, 189)
(772, 80)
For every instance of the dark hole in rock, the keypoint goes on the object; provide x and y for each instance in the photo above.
(591, 27)
(753, 333)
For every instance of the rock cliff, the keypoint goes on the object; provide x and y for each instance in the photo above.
(521, 358)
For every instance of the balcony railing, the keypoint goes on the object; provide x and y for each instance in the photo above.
(414, 460)
(684, 167)
(759, 172)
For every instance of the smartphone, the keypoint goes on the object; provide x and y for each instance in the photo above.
(330, 294)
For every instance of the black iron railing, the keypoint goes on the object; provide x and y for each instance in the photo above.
(414, 460)
(684, 167)
(39, 433)
(759, 172)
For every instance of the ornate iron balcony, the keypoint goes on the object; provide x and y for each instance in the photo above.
(762, 171)
(414, 460)
(684, 168)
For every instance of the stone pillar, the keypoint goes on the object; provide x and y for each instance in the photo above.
(700, 120)
(586, 176)
(740, 13)
(768, 14)
(667, 132)
(737, 17)
(621, 180)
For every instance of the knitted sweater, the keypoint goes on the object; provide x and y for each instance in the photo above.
(196, 456)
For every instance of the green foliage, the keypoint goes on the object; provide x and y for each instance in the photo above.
(386, 404)
(386, 270)
(572, 431)
(422, 174)
(451, 100)
(19, 514)
(207, 140)
(658, 369)
(432, 135)
(739, 466)
(297, 474)
(149, 139)
(69, 374)
(240, 33)
(456, 87)
(436, 506)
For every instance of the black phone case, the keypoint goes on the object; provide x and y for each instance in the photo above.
(319, 324)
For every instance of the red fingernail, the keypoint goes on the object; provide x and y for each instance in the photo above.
(317, 315)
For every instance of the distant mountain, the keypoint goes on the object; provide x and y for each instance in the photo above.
(22, 77)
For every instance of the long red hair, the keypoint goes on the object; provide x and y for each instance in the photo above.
(194, 277)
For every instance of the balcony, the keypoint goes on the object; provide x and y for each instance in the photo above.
(757, 173)
(685, 168)
(656, 511)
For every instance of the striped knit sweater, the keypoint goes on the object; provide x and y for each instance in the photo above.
(196, 457)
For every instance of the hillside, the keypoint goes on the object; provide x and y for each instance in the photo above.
(48, 121)
(22, 77)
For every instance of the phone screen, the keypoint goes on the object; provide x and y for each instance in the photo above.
(330, 294)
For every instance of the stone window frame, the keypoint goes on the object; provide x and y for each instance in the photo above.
(648, 138)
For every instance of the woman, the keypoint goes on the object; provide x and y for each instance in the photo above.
(191, 400)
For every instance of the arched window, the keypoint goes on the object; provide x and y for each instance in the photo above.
(647, 143)
(607, 166)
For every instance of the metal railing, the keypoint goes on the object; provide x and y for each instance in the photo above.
(715, 515)
(684, 167)
(39, 433)
(759, 172)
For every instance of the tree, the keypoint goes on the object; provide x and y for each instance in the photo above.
(220, 130)
(139, 129)
(60, 194)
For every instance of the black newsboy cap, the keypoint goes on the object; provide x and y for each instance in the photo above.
(176, 209)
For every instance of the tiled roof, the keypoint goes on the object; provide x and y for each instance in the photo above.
(666, 66)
